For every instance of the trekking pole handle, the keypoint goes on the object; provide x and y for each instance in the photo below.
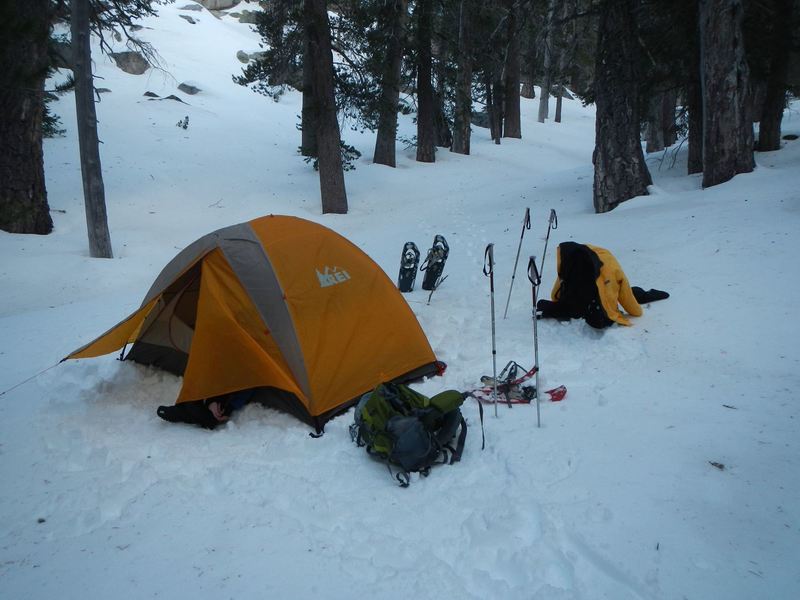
(488, 260)
(533, 272)
(551, 224)
(526, 223)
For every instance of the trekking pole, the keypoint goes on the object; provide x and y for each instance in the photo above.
(526, 224)
(535, 278)
(488, 270)
(551, 224)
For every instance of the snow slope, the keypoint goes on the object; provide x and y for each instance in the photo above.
(613, 497)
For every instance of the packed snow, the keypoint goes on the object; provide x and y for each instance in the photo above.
(614, 497)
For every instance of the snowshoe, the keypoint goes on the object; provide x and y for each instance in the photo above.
(409, 261)
(557, 393)
(434, 263)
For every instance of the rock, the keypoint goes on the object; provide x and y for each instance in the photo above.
(151, 96)
(188, 18)
(192, 7)
(131, 62)
(249, 17)
(218, 4)
(188, 88)
(243, 56)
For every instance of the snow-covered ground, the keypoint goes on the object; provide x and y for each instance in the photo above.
(613, 497)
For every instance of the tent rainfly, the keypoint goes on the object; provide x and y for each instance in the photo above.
(278, 304)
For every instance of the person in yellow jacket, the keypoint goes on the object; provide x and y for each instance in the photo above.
(592, 285)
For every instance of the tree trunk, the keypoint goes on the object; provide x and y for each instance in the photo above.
(620, 172)
(498, 89)
(655, 127)
(695, 108)
(547, 84)
(559, 103)
(668, 102)
(462, 117)
(512, 125)
(769, 130)
(331, 175)
(727, 128)
(94, 194)
(528, 90)
(24, 32)
(426, 135)
(444, 136)
(308, 114)
(491, 108)
(694, 104)
(395, 24)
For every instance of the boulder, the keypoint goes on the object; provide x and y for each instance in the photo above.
(188, 88)
(243, 56)
(218, 4)
(131, 62)
(188, 18)
(192, 7)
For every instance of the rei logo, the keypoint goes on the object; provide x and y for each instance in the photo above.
(332, 276)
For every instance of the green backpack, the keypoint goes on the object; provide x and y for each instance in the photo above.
(410, 430)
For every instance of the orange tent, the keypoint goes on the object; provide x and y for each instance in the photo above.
(276, 303)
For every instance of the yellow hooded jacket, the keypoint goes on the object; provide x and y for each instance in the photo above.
(612, 286)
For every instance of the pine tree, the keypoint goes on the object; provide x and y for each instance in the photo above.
(727, 124)
(620, 172)
(24, 34)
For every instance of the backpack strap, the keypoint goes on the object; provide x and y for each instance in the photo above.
(459, 449)
(402, 477)
(480, 413)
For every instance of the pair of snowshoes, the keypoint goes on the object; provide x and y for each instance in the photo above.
(433, 266)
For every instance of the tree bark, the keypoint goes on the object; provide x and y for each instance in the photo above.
(547, 84)
(559, 103)
(620, 172)
(668, 103)
(426, 135)
(694, 105)
(512, 124)
(462, 117)
(498, 105)
(94, 195)
(655, 127)
(308, 114)
(444, 135)
(395, 23)
(331, 175)
(527, 90)
(727, 128)
(769, 130)
(491, 108)
(24, 32)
